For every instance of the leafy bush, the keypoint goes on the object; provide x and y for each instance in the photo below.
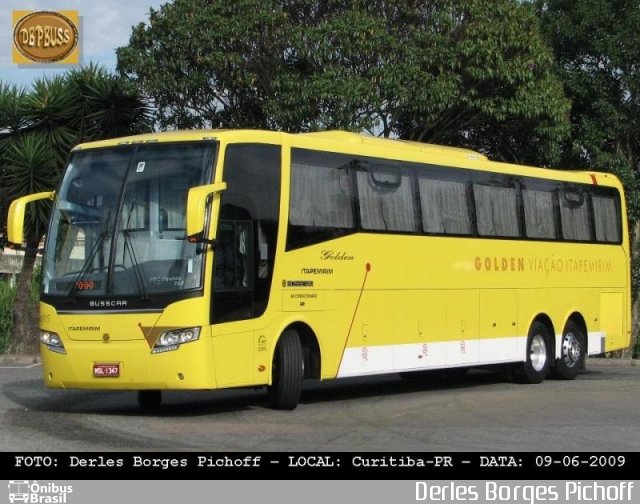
(7, 301)
(7, 298)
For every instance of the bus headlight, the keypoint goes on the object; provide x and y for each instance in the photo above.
(53, 341)
(171, 340)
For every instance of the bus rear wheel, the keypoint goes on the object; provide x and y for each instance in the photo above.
(572, 353)
(287, 372)
(538, 361)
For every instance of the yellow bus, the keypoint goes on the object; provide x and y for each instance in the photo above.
(215, 259)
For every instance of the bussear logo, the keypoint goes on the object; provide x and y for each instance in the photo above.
(45, 37)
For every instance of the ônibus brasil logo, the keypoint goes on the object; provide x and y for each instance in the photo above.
(38, 493)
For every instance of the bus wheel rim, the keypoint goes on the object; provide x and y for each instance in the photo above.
(538, 353)
(571, 349)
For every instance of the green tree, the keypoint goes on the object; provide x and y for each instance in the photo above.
(473, 73)
(596, 44)
(38, 127)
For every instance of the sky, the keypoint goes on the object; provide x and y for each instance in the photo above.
(105, 25)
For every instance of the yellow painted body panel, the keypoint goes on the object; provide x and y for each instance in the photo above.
(431, 299)
(612, 318)
(426, 290)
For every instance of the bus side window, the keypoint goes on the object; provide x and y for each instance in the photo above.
(574, 214)
(321, 192)
(496, 210)
(233, 258)
(445, 208)
(539, 218)
(386, 198)
(606, 214)
(322, 201)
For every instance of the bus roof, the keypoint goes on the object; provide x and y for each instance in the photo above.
(355, 138)
(334, 139)
(276, 137)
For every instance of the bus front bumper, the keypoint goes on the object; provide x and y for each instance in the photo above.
(128, 365)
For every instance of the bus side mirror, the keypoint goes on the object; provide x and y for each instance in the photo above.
(15, 218)
(196, 209)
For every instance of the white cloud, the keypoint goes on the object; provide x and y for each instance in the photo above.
(106, 26)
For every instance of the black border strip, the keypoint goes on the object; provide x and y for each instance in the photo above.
(320, 466)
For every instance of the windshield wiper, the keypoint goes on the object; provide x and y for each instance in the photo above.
(128, 245)
(75, 285)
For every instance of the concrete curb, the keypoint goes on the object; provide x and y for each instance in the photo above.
(19, 359)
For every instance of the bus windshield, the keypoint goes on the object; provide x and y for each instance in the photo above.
(118, 226)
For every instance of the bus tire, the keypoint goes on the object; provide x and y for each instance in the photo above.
(149, 400)
(572, 353)
(536, 366)
(287, 372)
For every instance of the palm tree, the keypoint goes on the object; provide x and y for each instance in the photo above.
(38, 127)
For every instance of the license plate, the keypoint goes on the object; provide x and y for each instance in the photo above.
(106, 370)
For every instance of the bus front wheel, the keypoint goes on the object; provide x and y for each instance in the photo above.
(572, 353)
(287, 372)
(538, 360)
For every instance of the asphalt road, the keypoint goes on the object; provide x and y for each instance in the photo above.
(484, 411)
